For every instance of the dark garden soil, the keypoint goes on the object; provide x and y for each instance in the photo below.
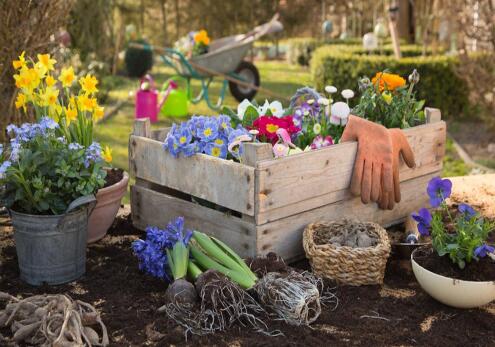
(114, 176)
(397, 313)
(482, 270)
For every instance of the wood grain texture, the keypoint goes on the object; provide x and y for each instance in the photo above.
(158, 209)
(142, 127)
(284, 236)
(301, 182)
(222, 182)
(254, 152)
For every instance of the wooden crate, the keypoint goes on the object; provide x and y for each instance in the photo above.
(264, 203)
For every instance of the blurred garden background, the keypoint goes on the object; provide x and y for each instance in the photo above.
(450, 43)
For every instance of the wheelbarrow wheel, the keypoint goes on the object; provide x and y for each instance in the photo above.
(249, 73)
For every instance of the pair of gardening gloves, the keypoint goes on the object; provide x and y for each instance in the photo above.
(376, 169)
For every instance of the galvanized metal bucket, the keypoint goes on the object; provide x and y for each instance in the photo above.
(52, 249)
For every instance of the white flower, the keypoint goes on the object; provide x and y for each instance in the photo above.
(311, 101)
(276, 109)
(242, 107)
(317, 128)
(324, 101)
(330, 89)
(339, 113)
(347, 94)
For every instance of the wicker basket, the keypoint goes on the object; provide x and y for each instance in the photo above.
(347, 265)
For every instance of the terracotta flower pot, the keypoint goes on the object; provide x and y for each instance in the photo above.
(107, 205)
(453, 292)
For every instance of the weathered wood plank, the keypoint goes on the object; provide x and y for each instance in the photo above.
(158, 209)
(255, 152)
(142, 127)
(284, 236)
(433, 115)
(159, 134)
(297, 183)
(222, 182)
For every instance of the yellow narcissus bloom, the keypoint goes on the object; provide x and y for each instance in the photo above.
(67, 77)
(27, 79)
(70, 114)
(20, 101)
(49, 97)
(98, 113)
(21, 63)
(86, 103)
(106, 154)
(88, 84)
(46, 61)
(50, 81)
(388, 81)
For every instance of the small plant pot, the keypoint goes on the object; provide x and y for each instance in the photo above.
(453, 292)
(108, 202)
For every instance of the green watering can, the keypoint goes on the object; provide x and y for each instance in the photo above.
(176, 100)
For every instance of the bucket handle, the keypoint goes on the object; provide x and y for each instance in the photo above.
(149, 79)
(83, 200)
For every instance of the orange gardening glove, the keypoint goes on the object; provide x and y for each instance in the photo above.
(372, 176)
(400, 148)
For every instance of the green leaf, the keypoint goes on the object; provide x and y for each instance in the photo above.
(250, 116)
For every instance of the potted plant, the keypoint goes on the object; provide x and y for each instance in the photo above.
(458, 269)
(75, 109)
(48, 185)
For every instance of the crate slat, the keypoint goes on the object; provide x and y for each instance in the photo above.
(284, 236)
(150, 207)
(286, 184)
(222, 182)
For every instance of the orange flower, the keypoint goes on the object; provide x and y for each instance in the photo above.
(388, 81)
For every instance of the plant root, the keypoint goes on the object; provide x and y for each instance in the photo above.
(223, 303)
(294, 298)
(52, 320)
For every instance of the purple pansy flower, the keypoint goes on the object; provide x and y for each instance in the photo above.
(467, 211)
(423, 218)
(483, 250)
(438, 190)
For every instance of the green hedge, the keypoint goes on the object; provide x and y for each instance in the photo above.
(439, 85)
(300, 49)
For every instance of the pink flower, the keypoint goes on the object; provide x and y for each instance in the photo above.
(280, 150)
(320, 142)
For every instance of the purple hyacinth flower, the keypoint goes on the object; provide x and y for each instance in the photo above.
(423, 218)
(483, 250)
(438, 190)
(467, 211)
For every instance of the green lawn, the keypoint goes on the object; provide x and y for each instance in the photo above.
(278, 77)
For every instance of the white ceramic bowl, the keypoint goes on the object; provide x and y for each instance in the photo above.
(453, 292)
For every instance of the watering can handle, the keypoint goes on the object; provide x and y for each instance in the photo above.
(83, 200)
(171, 84)
(149, 79)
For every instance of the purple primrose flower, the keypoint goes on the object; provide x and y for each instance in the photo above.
(423, 218)
(467, 211)
(483, 250)
(438, 190)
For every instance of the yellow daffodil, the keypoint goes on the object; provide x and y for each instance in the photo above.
(21, 63)
(46, 61)
(27, 79)
(50, 81)
(70, 114)
(40, 70)
(20, 101)
(49, 97)
(88, 84)
(98, 113)
(67, 77)
(106, 154)
(86, 103)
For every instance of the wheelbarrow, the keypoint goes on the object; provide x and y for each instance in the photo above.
(225, 59)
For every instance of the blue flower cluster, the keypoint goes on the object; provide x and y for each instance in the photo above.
(25, 133)
(151, 252)
(93, 154)
(201, 134)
